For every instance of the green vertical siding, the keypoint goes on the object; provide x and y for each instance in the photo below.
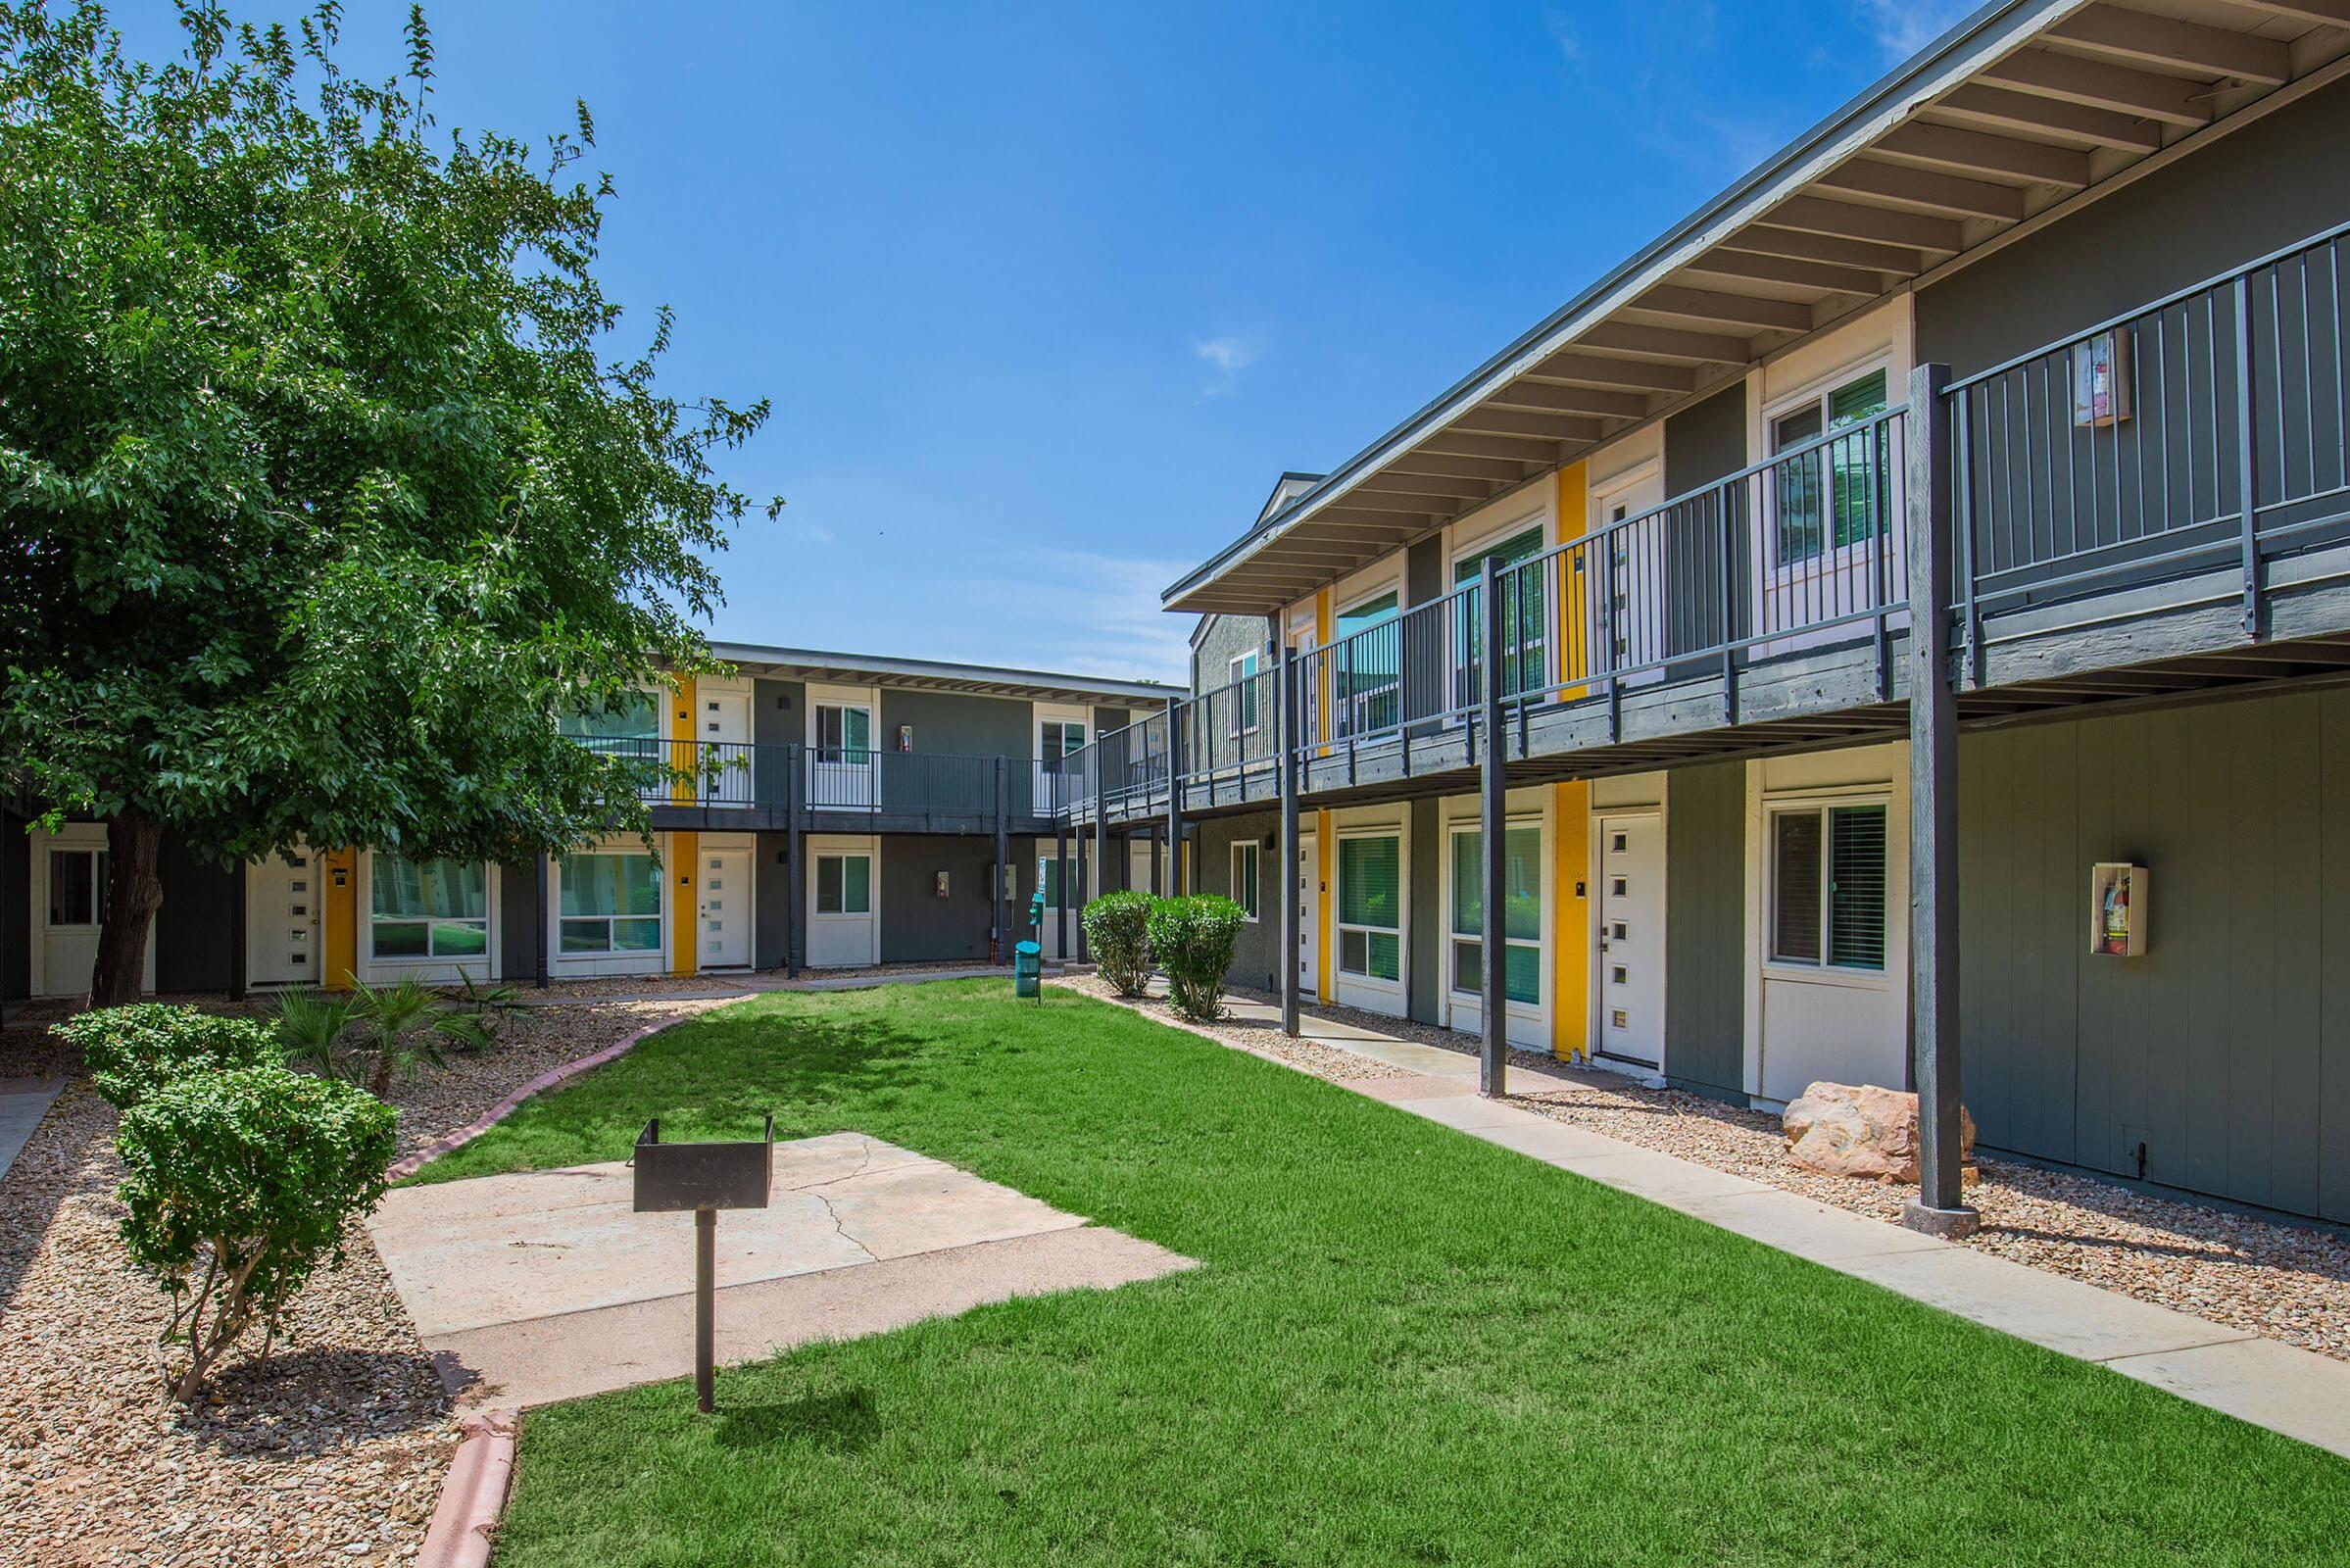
(1705, 935)
(2217, 1049)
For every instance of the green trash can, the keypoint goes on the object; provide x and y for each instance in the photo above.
(1027, 971)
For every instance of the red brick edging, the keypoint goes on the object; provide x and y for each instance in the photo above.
(409, 1163)
(473, 1495)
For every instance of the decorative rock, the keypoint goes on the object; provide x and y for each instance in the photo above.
(1861, 1130)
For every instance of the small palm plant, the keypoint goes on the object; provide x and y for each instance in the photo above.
(310, 1027)
(377, 1033)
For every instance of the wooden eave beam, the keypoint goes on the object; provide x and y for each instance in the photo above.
(2168, 99)
(1485, 419)
(1668, 343)
(1743, 310)
(2324, 13)
(1725, 261)
(2135, 36)
(1904, 231)
(2003, 110)
(1592, 369)
(1550, 397)
(1454, 466)
(1929, 188)
(2033, 163)
(1387, 483)
(1539, 451)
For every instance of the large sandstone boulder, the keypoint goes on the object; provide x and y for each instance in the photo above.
(1862, 1130)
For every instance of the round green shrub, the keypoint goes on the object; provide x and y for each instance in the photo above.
(131, 1052)
(1194, 939)
(1118, 929)
(238, 1185)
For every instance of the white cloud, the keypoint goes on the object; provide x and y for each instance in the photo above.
(1902, 28)
(1570, 46)
(1092, 614)
(1226, 354)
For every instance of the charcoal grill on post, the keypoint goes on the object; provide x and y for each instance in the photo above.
(671, 1178)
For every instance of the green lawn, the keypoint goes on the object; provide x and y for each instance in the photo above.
(1407, 1346)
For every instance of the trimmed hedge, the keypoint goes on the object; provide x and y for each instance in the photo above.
(1194, 939)
(1118, 929)
(132, 1052)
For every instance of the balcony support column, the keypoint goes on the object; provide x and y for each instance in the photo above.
(795, 865)
(1940, 1206)
(1007, 879)
(1492, 795)
(240, 927)
(1060, 909)
(540, 917)
(1175, 879)
(1285, 773)
(1100, 820)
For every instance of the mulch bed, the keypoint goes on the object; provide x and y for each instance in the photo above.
(332, 1450)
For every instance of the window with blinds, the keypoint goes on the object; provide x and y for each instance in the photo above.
(1247, 867)
(1371, 907)
(1832, 496)
(1828, 886)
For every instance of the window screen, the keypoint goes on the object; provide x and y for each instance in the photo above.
(1856, 891)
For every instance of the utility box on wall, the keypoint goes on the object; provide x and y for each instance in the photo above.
(2118, 894)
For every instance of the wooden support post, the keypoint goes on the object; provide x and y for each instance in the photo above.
(795, 865)
(1083, 882)
(1007, 882)
(1175, 885)
(2247, 456)
(1493, 794)
(1940, 1206)
(1061, 869)
(1285, 737)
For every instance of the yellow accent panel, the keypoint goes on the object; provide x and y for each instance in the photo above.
(338, 917)
(681, 733)
(1577, 570)
(1570, 960)
(683, 867)
(1325, 983)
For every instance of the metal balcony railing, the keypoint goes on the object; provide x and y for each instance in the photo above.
(922, 784)
(2202, 432)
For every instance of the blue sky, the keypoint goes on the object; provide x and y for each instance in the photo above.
(1046, 295)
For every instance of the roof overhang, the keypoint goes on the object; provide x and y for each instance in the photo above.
(2019, 111)
(927, 675)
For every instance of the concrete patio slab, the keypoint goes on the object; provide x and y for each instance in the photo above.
(540, 1360)
(546, 1283)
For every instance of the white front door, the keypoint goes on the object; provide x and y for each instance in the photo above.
(1631, 954)
(68, 909)
(1635, 577)
(844, 925)
(725, 910)
(281, 920)
(724, 726)
(1308, 891)
(841, 764)
(1141, 856)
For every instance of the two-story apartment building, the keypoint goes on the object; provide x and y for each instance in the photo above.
(1914, 595)
(836, 809)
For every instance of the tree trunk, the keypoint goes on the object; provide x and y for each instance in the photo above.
(133, 893)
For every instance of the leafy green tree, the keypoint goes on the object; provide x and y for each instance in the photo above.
(326, 498)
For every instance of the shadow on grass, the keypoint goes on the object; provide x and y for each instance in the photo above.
(840, 1421)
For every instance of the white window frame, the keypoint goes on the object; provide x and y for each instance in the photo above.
(1351, 710)
(488, 922)
(1252, 851)
(1244, 666)
(1538, 942)
(1805, 969)
(607, 954)
(1338, 926)
(100, 866)
(844, 856)
(1486, 539)
(1816, 394)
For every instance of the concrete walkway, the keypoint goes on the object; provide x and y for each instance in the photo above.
(24, 1101)
(2296, 1391)
(547, 1285)
(753, 985)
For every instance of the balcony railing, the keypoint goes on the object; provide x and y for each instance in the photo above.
(817, 779)
(2203, 431)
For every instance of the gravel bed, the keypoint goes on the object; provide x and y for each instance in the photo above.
(330, 1452)
(1266, 1039)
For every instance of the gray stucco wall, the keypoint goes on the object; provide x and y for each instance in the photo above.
(917, 926)
(1705, 943)
(519, 917)
(197, 922)
(1256, 959)
(1702, 443)
(2226, 1048)
(1424, 572)
(773, 917)
(778, 719)
(15, 909)
(2256, 191)
(1424, 977)
(958, 723)
(1225, 639)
